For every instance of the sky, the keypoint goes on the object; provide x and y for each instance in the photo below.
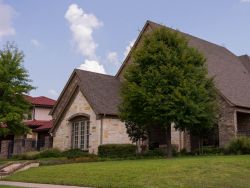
(58, 36)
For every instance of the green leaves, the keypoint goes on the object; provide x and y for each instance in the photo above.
(168, 83)
(14, 84)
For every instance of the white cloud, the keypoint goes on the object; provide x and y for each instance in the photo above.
(53, 92)
(245, 1)
(93, 66)
(82, 26)
(128, 48)
(6, 15)
(35, 42)
(112, 57)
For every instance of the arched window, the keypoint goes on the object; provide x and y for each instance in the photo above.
(80, 132)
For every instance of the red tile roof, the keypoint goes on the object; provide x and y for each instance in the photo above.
(41, 101)
(39, 125)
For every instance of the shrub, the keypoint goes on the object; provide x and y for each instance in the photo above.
(208, 150)
(154, 153)
(50, 153)
(27, 156)
(76, 153)
(240, 145)
(117, 150)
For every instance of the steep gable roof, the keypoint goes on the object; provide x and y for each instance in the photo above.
(101, 91)
(232, 79)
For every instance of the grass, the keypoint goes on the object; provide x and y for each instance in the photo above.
(193, 172)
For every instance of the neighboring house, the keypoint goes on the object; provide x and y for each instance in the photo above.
(86, 113)
(39, 121)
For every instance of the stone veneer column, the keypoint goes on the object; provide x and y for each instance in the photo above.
(227, 123)
(4, 148)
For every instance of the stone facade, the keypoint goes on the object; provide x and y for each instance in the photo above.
(227, 123)
(114, 131)
(4, 151)
(177, 138)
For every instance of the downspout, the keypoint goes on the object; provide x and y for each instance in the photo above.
(101, 131)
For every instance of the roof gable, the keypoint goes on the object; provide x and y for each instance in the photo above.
(232, 80)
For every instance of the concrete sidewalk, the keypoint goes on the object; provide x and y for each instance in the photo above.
(36, 185)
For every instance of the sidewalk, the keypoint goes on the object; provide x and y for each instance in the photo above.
(36, 185)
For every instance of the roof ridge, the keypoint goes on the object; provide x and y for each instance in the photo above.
(180, 31)
(94, 72)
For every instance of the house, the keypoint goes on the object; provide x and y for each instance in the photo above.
(39, 121)
(86, 113)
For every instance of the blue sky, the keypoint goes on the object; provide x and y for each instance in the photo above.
(58, 36)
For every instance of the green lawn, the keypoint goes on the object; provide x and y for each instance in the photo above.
(214, 171)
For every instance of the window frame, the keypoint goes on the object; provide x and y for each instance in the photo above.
(80, 132)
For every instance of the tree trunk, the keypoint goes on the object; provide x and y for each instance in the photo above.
(169, 146)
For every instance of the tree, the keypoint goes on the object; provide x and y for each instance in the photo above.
(137, 134)
(168, 83)
(14, 84)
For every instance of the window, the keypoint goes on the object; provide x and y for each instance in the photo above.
(80, 134)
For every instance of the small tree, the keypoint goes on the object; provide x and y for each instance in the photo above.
(14, 84)
(137, 134)
(167, 83)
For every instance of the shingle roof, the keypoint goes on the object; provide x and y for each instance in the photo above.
(245, 59)
(41, 101)
(101, 91)
(231, 78)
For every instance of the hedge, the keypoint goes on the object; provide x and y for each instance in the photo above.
(117, 150)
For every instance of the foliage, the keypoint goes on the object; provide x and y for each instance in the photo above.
(240, 145)
(53, 152)
(27, 156)
(208, 150)
(116, 150)
(76, 153)
(135, 132)
(14, 84)
(48, 153)
(205, 172)
(167, 83)
(153, 153)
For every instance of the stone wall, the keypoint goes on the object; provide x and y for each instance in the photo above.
(23, 146)
(227, 123)
(114, 132)
(62, 137)
(65, 97)
(177, 138)
(4, 151)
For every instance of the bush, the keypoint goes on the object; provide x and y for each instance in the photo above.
(240, 145)
(49, 153)
(27, 156)
(76, 153)
(154, 153)
(117, 150)
(208, 150)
